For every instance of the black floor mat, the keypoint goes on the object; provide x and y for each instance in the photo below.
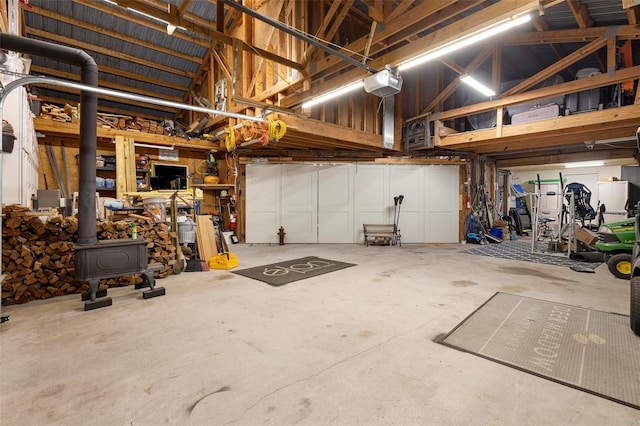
(593, 351)
(521, 250)
(281, 273)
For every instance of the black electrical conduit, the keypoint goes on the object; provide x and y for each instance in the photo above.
(88, 114)
(88, 123)
(279, 25)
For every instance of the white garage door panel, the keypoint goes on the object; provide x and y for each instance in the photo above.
(329, 204)
(372, 186)
(335, 204)
(263, 202)
(439, 227)
(267, 230)
(408, 181)
(441, 204)
(300, 203)
(441, 182)
(371, 198)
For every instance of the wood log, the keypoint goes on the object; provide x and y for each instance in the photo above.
(38, 257)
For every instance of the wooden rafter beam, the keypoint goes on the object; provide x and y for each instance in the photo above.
(451, 88)
(315, 127)
(346, 7)
(119, 100)
(563, 130)
(401, 8)
(558, 66)
(633, 15)
(93, 48)
(467, 25)
(102, 83)
(624, 74)
(581, 13)
(577, 35)
(390, 28)
(541, 25)
(266, 41)
(374, 10)
(320, 33)
(208, 32)
(556, 158)
(101, 30)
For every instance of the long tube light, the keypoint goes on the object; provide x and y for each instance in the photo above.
(460, 43)
(432, 54)
(467, 79)
(584, 164)
(333, 94)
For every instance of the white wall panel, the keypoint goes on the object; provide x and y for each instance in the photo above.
(263, 203)
(371, 198)
(329, 204)
(441, 204)
(408, 181)
(335, 204)
(300, 203)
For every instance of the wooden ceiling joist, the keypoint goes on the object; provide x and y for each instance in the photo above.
(208, 32)
(468, 25)
(89, 47)
(558, 66)
(624, 74)
(114, 34)
(608, 123)
(451, 88)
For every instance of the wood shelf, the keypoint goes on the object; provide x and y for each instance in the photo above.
(213, 185)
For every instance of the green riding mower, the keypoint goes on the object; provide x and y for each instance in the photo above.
(616, 241)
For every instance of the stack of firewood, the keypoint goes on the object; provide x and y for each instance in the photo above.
(56, 113)
(38, 257)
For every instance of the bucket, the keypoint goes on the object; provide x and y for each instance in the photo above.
(496, 232)
(187, 231)
(156, 208)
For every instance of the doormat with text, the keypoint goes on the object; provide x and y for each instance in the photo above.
(282, 273)
(593, 351)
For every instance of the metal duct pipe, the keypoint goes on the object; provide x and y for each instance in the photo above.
(88, 123)
(279, 25)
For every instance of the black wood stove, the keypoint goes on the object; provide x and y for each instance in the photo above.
(94, 259)
(114, 258)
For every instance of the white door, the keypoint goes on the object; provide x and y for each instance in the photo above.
(408, 181)
(335, 204)
(263, 203)
(371, 198)
(614, 196)
(441, 204)
(300, 203)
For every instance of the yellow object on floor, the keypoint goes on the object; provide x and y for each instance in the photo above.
(223, 261)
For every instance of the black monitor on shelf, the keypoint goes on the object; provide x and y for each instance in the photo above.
(169, 176)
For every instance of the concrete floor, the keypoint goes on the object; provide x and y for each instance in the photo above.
(350, 347)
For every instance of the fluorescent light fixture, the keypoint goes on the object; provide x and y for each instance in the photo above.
(584, 164)
(460, 43)
(465, 41)
(467, 79)
(170, 27)
(334, 94)
(146, 145)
